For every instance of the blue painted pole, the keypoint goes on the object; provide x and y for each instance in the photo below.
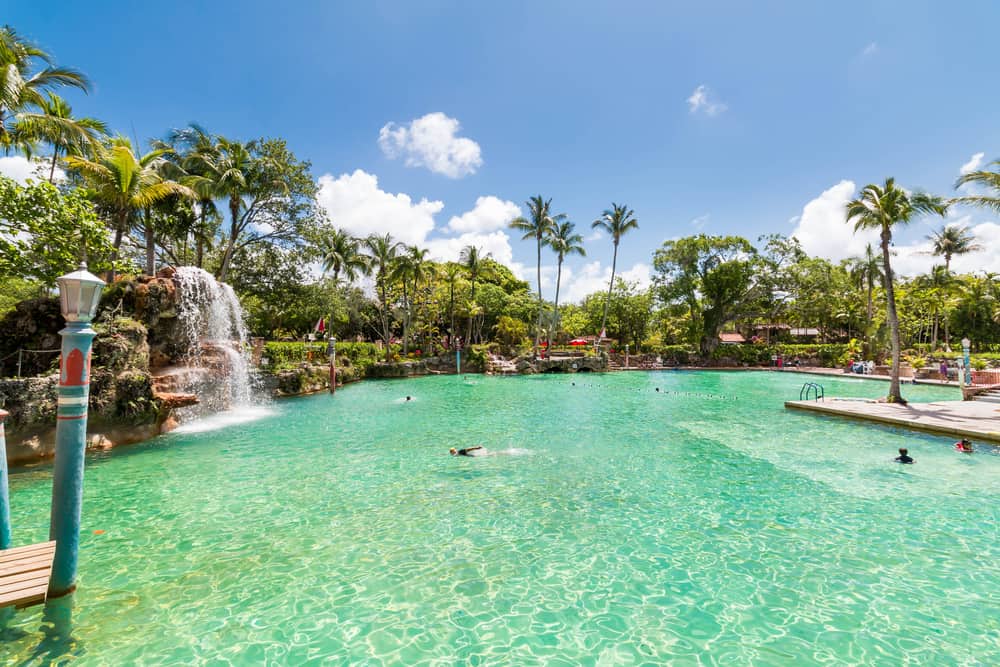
(4, 492)
(458, 362)
(71, 443)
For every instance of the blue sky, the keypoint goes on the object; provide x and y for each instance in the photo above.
(587, 103)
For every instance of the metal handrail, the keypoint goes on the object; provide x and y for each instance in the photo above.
(815, 389)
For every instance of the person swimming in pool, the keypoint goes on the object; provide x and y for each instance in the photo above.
(964, 445)
(903, 457)
(409, 398)
(478, 450)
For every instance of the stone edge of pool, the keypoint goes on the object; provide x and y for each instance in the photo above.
(961, 418)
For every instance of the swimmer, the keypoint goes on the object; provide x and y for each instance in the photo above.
(657, 390)
(478, 450)
(903, 456)
(409, 398)
(964, 445)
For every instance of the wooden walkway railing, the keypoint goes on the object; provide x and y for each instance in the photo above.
(24, 574)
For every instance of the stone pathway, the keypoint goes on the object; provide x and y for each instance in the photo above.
(971, 419)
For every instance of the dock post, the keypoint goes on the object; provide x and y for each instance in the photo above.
(79, 294)
(4, 492)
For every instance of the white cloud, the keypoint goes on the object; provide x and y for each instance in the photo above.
(496, 244)
(700, 222)
(355, 203)
(593, 277)
(703, 100)
(870, 50)
(430, 141)
(490, 213)
(21, 169)
(972, 165)
(596, 235)
(823, 229)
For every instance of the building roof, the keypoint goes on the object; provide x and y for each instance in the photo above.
(731, 337)
(805, 331)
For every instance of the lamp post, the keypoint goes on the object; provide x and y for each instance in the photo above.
(331, 351)
(79, 293)
(965, 357)
(4, 495)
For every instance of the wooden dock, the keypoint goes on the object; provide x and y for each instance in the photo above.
(24, 574)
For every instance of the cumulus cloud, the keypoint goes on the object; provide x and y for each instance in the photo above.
(592, 277)
(703, 100)
(356, 204)
(822, 231)
(496, 244)
(490, 213)
(596, 235)
(974, 163)
(431, 141)
(822, 228)
(20, 169)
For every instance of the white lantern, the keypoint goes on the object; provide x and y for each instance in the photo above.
(966, 343)
(79, 294)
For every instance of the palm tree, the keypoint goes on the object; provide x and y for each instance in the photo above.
(472, 259)
(124, 185)
(986, 178)
(195, 150)
(226, 170)
(866, 271)
(56, 126)
(616, 221)
(341, 253)
(538, 227)
(22, 90)
(953, 240)
(451, 273)
(881, 208)
(383, 251)
(564, 241)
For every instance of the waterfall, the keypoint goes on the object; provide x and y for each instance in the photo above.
(218, 368)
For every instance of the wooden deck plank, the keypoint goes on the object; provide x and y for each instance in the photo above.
(24, 574)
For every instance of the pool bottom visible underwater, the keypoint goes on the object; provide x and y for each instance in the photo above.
(701, 524)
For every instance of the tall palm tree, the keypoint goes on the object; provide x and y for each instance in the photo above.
(953, 240)
(866, 271)
(125, 185)
(472, 259)
(564, 241)
(882, 208)
(341, 253)
(616, 222)
(55, 125)
(988, 178)
(22, 89)
(538, 227)
(195, 149)
(227, 169)
(451, 272)
(383, 251)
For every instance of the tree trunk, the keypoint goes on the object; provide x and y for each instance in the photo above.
(555, 323)
(234, 210)
(538, 278)
(406, 321)
(150, 244)
(116, 245)
(890, 297)
(607, 302)
(868, 326)
(199, 252)
(472, 305)
(386, 333)
(52, 169)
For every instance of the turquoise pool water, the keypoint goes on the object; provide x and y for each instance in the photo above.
(702, 524)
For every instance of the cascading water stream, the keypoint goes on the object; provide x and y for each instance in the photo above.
(218, 367)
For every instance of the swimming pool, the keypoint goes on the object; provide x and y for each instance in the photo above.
(700, 524)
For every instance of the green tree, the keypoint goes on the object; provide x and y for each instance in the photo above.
(383, 251)
(194, 149)
(867, 272)
(715, 277)
(616, 222)
(44, 233)
(472, 260)
(952, 240)
(341, 253)
(124, 186)
(66, 134)
(538, 227)
(26, 74)
(451, 273)
(882, 208)
(564, 241)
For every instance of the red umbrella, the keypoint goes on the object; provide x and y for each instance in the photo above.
(578, 341)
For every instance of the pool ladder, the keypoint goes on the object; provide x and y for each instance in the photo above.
(812, 388)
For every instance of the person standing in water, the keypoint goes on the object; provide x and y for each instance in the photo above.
(903, 457)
